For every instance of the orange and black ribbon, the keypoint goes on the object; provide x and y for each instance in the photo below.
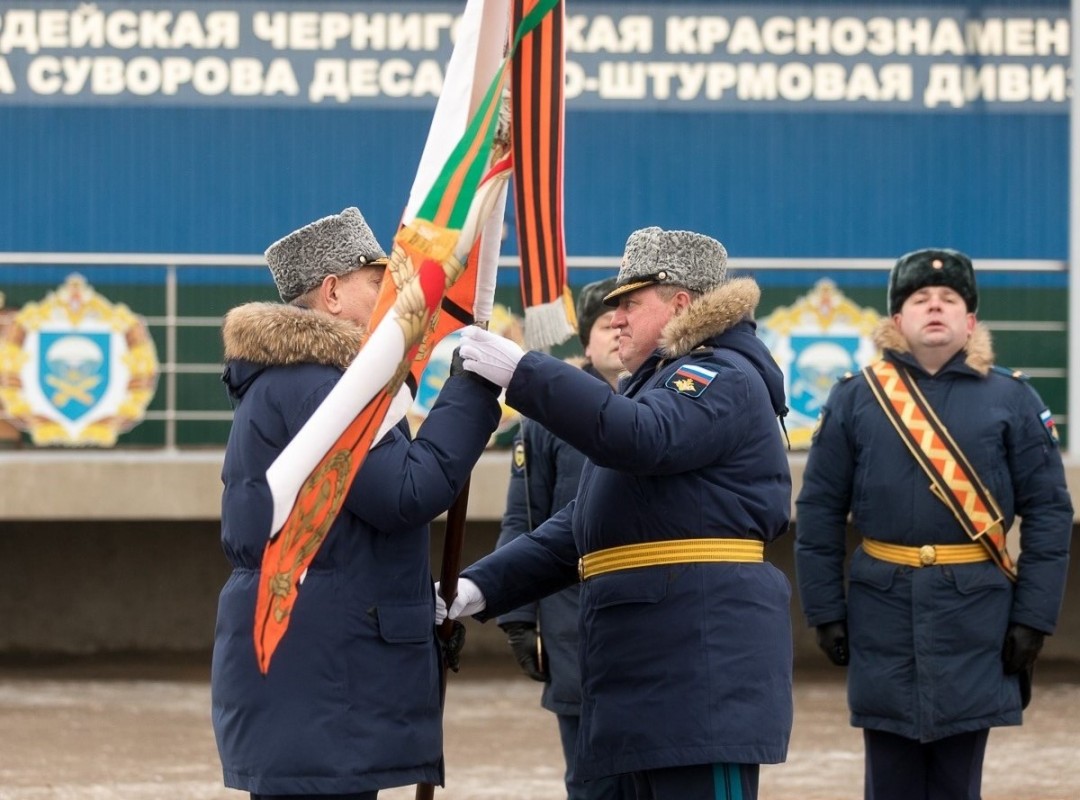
(536, 95)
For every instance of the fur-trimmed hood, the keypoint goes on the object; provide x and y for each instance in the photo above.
(710, 315)
(724, 317)
(272, 334)
(978, 352)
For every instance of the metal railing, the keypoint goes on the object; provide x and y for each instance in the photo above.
(171, 265)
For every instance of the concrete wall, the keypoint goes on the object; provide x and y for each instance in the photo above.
(120, 552)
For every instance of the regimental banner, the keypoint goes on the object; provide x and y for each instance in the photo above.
(75, 369)
(816, 340)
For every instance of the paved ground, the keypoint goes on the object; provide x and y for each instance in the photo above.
(141, 731)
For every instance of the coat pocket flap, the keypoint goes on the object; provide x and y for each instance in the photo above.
(406, 623)
(972, 578)
(872, 572)
(647, 585)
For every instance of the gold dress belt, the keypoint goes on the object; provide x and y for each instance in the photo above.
(927, 555)
(676, 551)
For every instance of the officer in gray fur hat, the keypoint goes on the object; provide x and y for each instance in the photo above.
(686, 479)
(937, 626)
(350, 704)
(670, 258)
(309, 263)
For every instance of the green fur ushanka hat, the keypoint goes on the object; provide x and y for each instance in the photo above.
(590, 306)
(932, 267)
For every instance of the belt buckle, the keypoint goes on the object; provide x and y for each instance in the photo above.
(927, 555)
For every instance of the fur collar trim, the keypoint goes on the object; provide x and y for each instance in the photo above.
(710, 315)
(979, 350)
(278, 335)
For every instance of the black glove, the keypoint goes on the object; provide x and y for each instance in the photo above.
(522, 637)
(1022, 646)
(832, 639)
(457, 367)
(452, 646)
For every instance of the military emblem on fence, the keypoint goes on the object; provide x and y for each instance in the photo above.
(75, 369)
(817, 339)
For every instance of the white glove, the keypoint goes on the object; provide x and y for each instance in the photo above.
(440, 607)
(470, 600)
(489, 355)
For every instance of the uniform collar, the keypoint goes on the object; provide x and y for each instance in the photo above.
(272, 334)
(710, 315)
(977, 356)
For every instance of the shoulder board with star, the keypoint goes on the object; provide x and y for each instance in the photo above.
(1046, 417)
(1015, 374)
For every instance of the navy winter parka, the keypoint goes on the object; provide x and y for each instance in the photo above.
(544, 476)
(685, 664)
(926, 643)
(351, 701)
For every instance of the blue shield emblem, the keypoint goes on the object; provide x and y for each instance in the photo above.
(74, 370)
(817, 363)
(816, 341)
(80, 370)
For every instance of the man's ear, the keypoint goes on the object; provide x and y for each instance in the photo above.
(682, 301)
(330, 294)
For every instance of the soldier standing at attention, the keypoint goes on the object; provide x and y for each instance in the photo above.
(933, 451)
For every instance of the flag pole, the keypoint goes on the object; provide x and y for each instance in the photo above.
(448, 578)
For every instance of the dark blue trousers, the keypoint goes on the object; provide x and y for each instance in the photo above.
(616, 787)
(702, 782)
(898, 768)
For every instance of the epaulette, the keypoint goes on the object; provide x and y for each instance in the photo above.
(847, 376)
(1015, 374)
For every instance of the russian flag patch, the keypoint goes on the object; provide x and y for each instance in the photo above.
(690, 380)
(1047, 420)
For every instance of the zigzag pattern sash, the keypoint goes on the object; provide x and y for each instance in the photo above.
(952, 478)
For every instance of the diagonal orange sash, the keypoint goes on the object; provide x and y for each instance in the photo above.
(952, 478)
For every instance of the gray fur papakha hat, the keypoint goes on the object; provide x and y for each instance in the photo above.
(932, 267)
(334, 245)
(676, 258)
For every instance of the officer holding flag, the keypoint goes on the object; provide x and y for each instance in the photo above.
(352, 703)
(685, 649)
